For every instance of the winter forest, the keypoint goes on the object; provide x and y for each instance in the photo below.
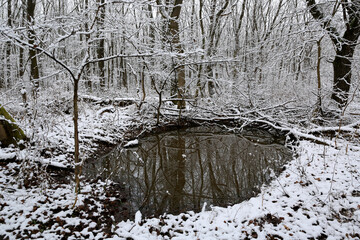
(179, 119)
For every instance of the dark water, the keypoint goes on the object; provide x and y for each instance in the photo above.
(180, 170)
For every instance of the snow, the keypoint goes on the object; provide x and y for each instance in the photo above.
(132, 143)
(6, 154)
(138, 217)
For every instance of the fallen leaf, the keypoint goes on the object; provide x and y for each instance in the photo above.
(286, 227)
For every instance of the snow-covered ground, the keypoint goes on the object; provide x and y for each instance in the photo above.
(316, 197)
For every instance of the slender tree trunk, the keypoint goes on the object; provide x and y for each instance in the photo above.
(210, 48)
(87, 78)
(318, 109)
(142, 79)
(237, 49)
(101, 47)
(34, 69)
(199, 84)
(78, 167)
(21, 69)
(152, 38)
(8, 50)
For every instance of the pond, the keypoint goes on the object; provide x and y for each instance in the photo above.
(178, 171)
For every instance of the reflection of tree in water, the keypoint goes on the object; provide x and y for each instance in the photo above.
(174, 173)
(179, 171)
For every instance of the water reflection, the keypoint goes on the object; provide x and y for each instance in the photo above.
(180, 170)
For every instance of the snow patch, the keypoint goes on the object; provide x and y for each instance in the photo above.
(132, 143)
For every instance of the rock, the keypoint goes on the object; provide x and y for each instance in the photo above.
(10, 132)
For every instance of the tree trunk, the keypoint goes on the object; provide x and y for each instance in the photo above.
(21, 69)
(199, 84)
(8, 50)
(180, 70)
(87, 78)
(78, 166)
(318, 109)
(101, 47)
(237, 47)
(34, 70)
(342, 76)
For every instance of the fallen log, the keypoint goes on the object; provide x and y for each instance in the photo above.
(119, 102)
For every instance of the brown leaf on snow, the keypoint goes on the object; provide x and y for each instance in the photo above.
(286, 227)
(60, 221)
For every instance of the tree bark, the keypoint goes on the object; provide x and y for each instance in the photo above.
(318, 109)
(199, 84)
(8, 50)
(87, 78)
(101, 47)
(21, 69)
(78, 166)
(180, 70)
(34, 69)
(342, 78)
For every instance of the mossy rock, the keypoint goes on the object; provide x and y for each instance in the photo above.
(10, 132)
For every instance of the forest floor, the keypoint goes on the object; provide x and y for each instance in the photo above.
(317, 196)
